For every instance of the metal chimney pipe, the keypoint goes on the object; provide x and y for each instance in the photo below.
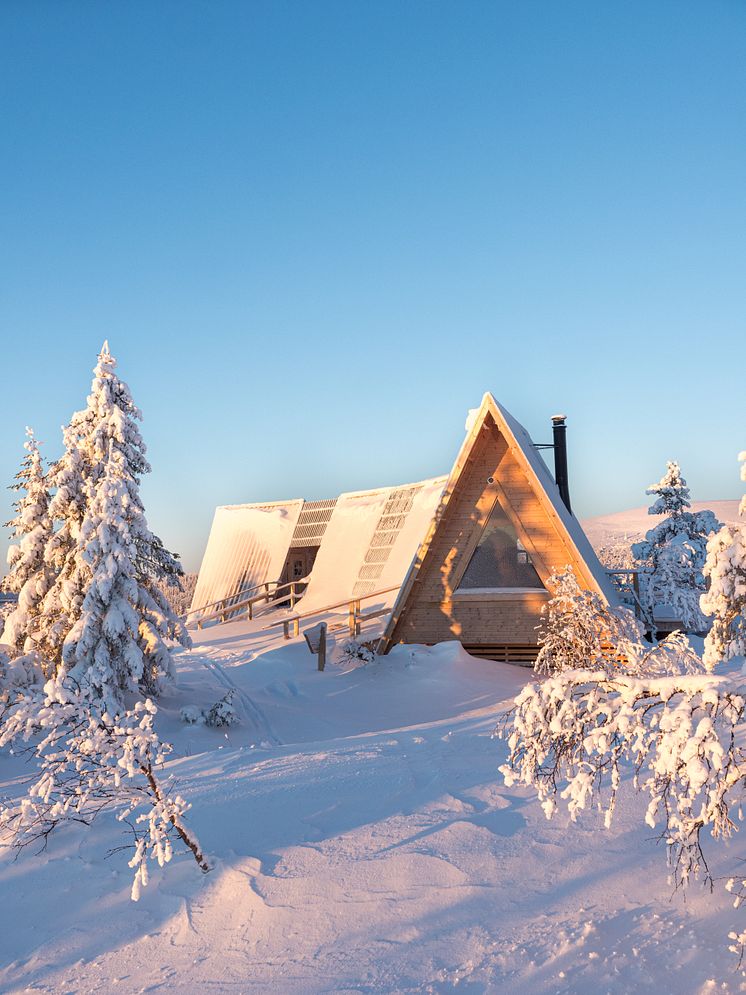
(559, 432)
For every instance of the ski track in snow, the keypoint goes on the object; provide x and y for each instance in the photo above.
(374, 850)
(252, 712)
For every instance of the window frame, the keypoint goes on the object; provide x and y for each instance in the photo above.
(505, 593)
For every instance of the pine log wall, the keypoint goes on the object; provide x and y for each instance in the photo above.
(433, 611)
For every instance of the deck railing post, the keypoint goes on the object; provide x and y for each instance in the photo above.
(355, 617)
(251, 611)
(292, 595)
(636, 589)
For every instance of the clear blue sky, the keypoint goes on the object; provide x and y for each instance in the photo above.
(315, 233)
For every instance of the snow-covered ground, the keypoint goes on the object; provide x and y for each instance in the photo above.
(362, 841)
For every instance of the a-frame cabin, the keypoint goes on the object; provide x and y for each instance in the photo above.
(501, 529)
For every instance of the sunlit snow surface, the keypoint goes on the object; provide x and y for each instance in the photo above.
(362, 842)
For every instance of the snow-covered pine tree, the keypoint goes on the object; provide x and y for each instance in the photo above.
(102, 650)
(674, 551)
(725, 601)
(68, 480)
(672, 493)
(103, 626)
(29, 575)
(105, 452)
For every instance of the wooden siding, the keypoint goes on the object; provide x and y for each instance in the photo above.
(434, 610)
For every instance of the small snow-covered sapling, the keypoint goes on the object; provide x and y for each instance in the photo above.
(353, 652)
(223, 714)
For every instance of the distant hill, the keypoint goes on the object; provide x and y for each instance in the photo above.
(631, 525)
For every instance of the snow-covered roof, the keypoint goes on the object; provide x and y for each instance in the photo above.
(248, 545)
(367, 541)
(370, 542)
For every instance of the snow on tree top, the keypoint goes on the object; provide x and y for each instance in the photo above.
(672, 492)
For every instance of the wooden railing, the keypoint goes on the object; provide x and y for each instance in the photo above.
(266, 585)
(229, 610)
(355, 616)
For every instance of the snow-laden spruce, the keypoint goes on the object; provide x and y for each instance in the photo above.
(725, 600)
(674, 551)
(68, 479)
(672, 493)
(103, 529)
(102, 649)
(29, 576)
(100, 638)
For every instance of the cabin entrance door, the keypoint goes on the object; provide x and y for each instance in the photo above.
(299, 564)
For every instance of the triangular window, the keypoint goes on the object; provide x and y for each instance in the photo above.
(500, 560)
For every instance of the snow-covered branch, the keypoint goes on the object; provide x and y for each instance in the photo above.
(90, 761)
(570, 735)
(581, 631)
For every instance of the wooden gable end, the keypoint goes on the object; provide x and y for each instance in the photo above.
(435, 609)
